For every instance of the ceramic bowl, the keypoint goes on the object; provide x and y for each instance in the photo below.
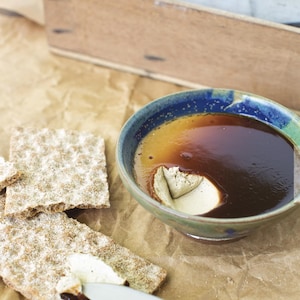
(203, 101)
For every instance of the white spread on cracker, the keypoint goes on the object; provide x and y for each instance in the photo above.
(34, 255)
(189, 193)
(70, 284)
(90, 269)
(49, 254)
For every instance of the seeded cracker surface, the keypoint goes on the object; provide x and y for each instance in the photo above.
(8, 173)
(60, 170)
(33, 254)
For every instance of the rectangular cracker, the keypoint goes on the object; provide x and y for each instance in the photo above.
(61, 169)
(34, 252)
(8, 173)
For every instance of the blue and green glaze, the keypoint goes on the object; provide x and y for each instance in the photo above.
(203, 101)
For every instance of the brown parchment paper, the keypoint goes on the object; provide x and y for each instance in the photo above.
(40, 89)
(31, 9)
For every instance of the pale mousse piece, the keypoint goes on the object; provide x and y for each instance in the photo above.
(189, 193)
(86, 268)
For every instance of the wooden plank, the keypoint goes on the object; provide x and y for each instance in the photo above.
(182, 43)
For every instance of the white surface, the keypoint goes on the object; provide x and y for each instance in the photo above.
(280, 11)
(114, 292)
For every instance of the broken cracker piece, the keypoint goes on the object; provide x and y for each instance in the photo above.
(61, 170)
(2, 205)
(41, 257)
(8, 173)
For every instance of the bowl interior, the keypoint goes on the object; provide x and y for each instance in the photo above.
(201, 101)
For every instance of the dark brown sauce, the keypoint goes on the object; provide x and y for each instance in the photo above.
(252, 163)
(67, 296)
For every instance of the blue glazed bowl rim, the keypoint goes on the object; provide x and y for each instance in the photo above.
(140, 194)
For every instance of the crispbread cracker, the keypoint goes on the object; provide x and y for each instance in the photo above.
(8, 173)
(33, 255)
(61, 170)
(2, 205)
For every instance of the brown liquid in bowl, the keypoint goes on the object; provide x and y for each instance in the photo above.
(251, 163)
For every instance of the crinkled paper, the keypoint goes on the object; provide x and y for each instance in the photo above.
(39, 89)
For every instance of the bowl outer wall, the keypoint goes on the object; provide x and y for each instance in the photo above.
(202, 101)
